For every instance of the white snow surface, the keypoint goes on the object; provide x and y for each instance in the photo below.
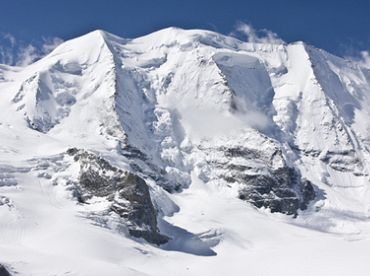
(178, 96)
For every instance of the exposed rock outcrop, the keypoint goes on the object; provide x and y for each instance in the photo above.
(261, 174)
(128, 193)
(281, 191)
(3, 271)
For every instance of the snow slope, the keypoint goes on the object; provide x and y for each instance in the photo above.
(256, 157)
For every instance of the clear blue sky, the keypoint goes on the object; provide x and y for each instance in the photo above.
(333, 25)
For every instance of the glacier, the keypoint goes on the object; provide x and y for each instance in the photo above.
(184, 152)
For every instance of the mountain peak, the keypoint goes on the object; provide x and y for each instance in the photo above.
(170, 137)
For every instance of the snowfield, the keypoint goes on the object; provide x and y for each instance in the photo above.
(184, 152)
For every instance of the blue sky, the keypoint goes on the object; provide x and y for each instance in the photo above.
(341, 27)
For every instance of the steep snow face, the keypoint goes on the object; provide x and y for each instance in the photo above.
(77, 80)
(250, 83)
(203, 122)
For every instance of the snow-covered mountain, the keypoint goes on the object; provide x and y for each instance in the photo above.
(184, 152)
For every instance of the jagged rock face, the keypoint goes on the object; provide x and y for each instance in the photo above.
(3, 271)
(281, 191)
(260, 172)
(128, 193)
